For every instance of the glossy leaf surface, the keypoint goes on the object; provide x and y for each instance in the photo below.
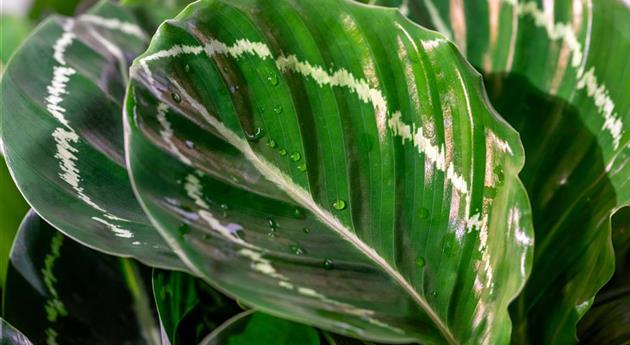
(189, 309)
(62, 131)
(307, 157)
(558, 72)
(11, 336)
(60, 292)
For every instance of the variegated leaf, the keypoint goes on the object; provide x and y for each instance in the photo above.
(63, 135)
(557, 71)
(334, 164)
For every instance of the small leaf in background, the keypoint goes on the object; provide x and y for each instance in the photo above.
(43, 8)
(189, 309)
(257, 328)
(59, 291)
(11, 336)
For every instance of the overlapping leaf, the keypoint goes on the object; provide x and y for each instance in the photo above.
(11, 336)
(189, 309)
(334, 164)
(558, 72)
(60, 292)
(62, 131)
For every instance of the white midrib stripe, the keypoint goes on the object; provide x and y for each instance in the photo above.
(302, 197)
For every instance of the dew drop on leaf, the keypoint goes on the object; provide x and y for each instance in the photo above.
(256, 135)
(278, 109)
(302, 167)
(297, 213)
(328, 264)
(176, 97)
(306, 230)
(282, 152)
(296, 249)
(272, 143)
(273, 79)
(498, 171)
(296, 156)
(339, 205)
(190, 144)
(273, 225)
(187, 68)
(420, 261)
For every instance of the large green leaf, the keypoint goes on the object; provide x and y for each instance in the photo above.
(60, 292)
(63, 136)
(189, 309)
(558, 72)
(334, 164)
(11, 336)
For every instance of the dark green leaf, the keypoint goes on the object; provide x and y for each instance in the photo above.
(63, 135)
(333, 164)
(60, 292)
(606, 323)
(558, 72)
(189, 309)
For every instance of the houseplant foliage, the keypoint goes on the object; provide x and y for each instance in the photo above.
(59, 291)
(333, 164)
(556, 71)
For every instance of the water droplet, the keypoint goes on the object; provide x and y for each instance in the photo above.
(423, 213)
(225, 207)
(258, 133)
(225, 69)
(271, 234)
(328, 264)
(489, 192)
(176, 97)
(420, 261)
(272, 143)
(296, 156)
(261, 109)
(296, 249)
(282, 152)
(498, 171)
(187, 68)
(302, 167)
(306, 230)
(273, 225)
(183, 229)
(233, 88)
(190, 144)
(297, 213)
(278, 109)
(339, 205)
(448, 245)
(434, 294)
(273, 79)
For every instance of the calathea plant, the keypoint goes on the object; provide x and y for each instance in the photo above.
(332, 166)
